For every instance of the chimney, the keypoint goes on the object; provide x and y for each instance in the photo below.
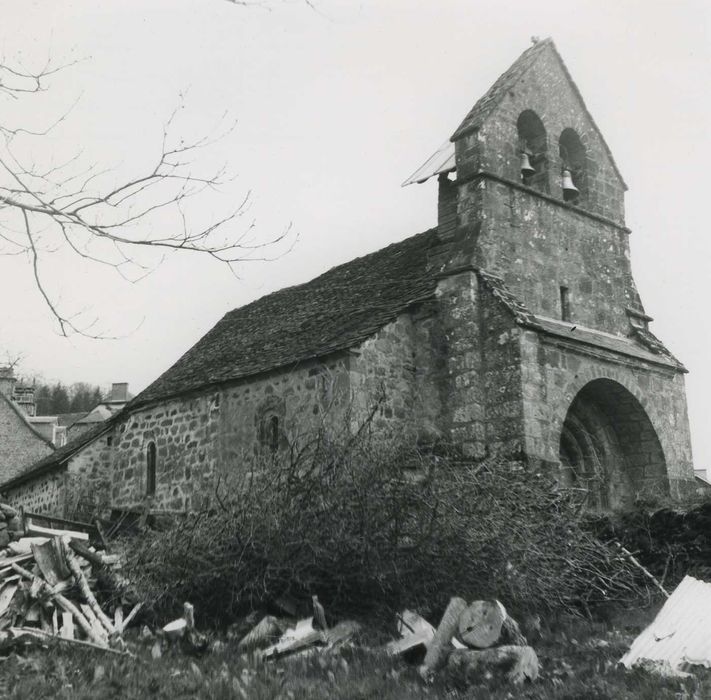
(119, 392)
(7, 382)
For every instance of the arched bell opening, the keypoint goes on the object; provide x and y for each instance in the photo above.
(573, 159)
(533, 150)
(609, 449)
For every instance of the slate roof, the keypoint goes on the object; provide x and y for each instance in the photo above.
(337, 310)
(24, 419)
(507, 80)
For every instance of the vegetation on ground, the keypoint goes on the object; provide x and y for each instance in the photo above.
(371, 525)
(578, 661)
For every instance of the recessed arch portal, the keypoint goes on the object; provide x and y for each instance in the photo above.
(609, 448)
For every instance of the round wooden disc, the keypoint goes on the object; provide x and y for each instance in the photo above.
(480, 624)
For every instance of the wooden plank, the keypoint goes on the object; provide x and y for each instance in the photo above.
(67, 631)
(41, 531)
(24, 545)
(7, 562)
(6, 595)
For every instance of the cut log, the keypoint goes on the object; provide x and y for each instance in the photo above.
(118, 618)
(28, 633)
(175, 629)
(294, 640)
(518, 663)
(129, 618)
(65, 604)
(410, 622)
(340, 634)
(480, 624)
(189, 615)
(400, 646)
(94, 622)
(24, 544)
(33, 613)
(439, 647)
(6, 595)
(84, 587)
(49, 557)
(319, 613)
(82, 549)
(511, 633)
(266, 632)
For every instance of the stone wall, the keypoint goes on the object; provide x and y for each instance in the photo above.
(88, 479)
(220, 432)
(501, 377)
(45, 494)
(539, 247)
(20, 446)
(399, 364)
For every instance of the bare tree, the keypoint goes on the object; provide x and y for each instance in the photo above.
(83, 211)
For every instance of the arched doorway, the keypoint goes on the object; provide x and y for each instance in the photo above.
(609, 448)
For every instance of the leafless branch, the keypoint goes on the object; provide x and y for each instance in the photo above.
(77, 209)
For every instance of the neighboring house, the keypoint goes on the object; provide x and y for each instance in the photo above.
(116, 400)
(21, 444)
(50, 428)
(513, 329)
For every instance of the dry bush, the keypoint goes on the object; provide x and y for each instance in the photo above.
(366, 522)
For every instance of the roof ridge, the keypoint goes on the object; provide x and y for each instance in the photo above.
(335, 310)
(489, 100)
(330, 270)
(25, 420)
(486, 103)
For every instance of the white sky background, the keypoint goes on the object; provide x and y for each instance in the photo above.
(335, 109)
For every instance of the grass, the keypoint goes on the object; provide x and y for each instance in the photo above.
(578, 661)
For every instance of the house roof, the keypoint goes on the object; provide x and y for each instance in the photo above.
(485, 106)
(337, 310)
(57, 458)
(68, 419)
(24, 420)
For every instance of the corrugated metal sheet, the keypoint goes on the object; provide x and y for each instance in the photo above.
(681, 632)
(441, 162)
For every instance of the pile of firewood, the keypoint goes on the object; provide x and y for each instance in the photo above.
(47, 582)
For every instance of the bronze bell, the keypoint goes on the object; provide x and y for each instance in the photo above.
(570, 191)
(526, 168)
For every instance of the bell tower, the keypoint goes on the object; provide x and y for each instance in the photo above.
(562, 367)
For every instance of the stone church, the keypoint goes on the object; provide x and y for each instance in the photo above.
(513, 329)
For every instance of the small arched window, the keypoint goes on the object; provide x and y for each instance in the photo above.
(151, 469)
(533, 150)
(273, 433)
(573, 160)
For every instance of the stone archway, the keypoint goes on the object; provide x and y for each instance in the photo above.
(609, 448)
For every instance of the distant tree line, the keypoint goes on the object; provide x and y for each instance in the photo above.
(52, 399)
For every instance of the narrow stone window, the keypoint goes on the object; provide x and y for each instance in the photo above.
(109, 440)
(565, 303)
(274, 434)
(151, 469)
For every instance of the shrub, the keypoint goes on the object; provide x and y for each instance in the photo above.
(365, 522)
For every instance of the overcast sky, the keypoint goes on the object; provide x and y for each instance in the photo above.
(335, 108)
